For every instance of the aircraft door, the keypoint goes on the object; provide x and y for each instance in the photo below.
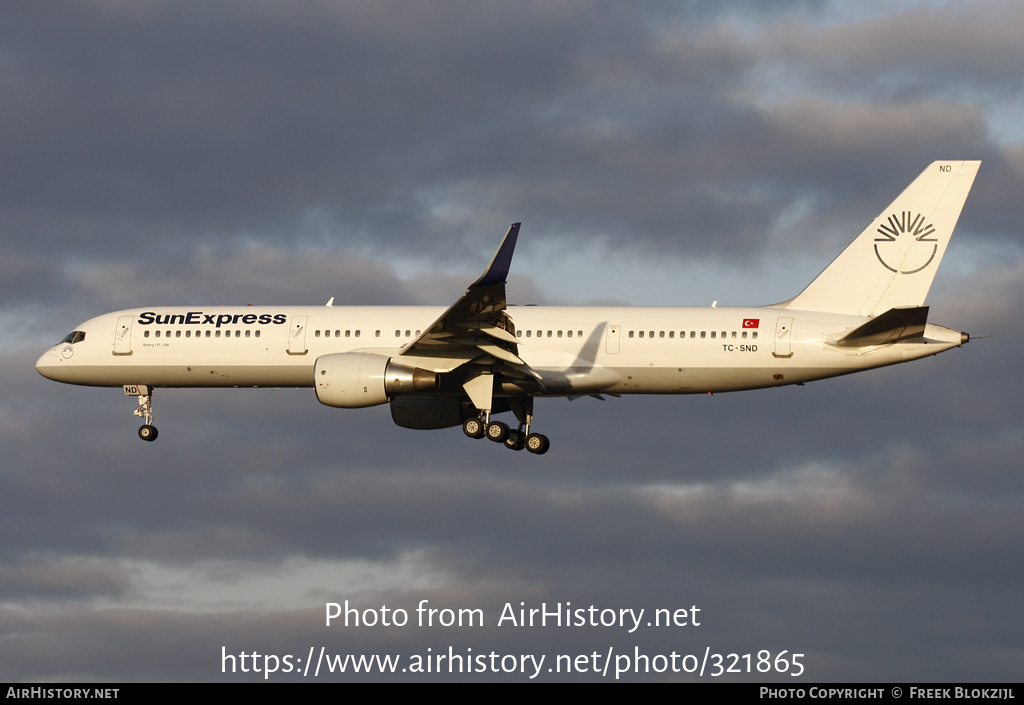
(611, 338)
(783, 337)
(123, 335)
(297, 336)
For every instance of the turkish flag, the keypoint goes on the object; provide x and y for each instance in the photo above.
(751, 322)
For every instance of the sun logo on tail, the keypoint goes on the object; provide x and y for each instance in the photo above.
(899, 248)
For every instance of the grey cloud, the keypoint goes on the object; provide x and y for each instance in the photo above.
(72, 580)
(162, 154)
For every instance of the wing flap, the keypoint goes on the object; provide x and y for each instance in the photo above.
(500, 353)
(499, 334)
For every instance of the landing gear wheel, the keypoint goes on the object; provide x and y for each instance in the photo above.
(148, 432)
(537, 443)
(497, 431)
(474, 428)
(515, 440)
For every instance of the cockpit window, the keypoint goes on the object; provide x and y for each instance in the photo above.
(75, 336)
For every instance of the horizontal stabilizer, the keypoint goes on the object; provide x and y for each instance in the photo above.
(894, 326)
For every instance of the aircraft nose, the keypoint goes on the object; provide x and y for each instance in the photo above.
(49, 363)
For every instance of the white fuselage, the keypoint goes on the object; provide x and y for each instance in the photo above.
(575, 350)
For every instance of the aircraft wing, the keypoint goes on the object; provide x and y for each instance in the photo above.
(477, 327)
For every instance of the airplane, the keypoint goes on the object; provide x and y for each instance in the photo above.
(441, 368)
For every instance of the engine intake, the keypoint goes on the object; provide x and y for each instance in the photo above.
(355, 380)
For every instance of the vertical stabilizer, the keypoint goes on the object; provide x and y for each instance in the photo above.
(893, 262)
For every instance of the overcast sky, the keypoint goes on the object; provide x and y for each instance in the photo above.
(657, 153)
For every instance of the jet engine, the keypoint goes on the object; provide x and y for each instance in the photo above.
(354, 380)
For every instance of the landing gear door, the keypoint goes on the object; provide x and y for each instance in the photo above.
(123, 335)
(297, 336)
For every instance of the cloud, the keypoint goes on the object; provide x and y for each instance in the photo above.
(161, 154)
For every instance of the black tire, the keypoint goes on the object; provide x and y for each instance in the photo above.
(474, 428)
(515, 440)
(497, 431)
(147, 432)
(537, 443)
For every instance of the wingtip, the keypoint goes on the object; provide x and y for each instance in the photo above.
(497, 271)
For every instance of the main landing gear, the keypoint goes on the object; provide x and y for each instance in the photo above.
(147, 431)
(511, 438)
(480, 389)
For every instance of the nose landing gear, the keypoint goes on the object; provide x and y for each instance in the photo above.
(147, 431)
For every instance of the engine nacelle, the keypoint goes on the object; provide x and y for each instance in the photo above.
(354, 380)
(428, 413)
